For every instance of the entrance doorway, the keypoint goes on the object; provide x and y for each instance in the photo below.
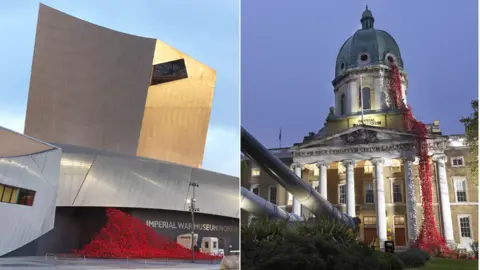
(400, 237)
(369, 235)
(400, 231)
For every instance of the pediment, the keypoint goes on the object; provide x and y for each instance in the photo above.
(359, 135)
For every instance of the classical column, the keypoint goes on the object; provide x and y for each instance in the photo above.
(322, 179)
(349, 165)
(410, 199)
(380, 202)
(444, 199)
(296, 206)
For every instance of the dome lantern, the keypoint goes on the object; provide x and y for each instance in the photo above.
(367, 19)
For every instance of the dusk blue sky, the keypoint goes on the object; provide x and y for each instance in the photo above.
(207, 30)
(289, 50)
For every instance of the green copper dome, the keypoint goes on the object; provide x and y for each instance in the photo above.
(367, 47)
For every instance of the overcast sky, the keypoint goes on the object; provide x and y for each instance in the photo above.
(289, 50)
(207, 30)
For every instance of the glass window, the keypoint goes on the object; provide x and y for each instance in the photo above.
(365, 96)
(255, 190)
(169, 71)
(369, 198)
(399, 220)
(343, 104)
(255, 172)
(397, 193)
(214, 244)
(460, 186)
(457, 161)
(370, 220)
(206, 244)
(290, 199)
(26, 197)
(14, 197)
(1, 190)
(7, 194)
(342, 194)
(273, 195)
(465, 227)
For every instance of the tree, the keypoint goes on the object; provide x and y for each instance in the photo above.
(471, 133)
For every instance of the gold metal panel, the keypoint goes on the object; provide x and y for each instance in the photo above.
(176, 116)
(88, 84)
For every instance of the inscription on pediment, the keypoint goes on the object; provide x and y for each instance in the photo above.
(436, 146)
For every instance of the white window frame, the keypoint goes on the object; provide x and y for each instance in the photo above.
(253, 186)
(469, 224)
(254, 170)
(269, 194)
(365, 192)
(460, 178)
(457, 166)
(393, 182)
(339, 194)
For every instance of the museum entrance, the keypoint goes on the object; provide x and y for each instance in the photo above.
(369, 235)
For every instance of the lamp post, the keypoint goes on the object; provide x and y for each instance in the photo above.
(191, 202)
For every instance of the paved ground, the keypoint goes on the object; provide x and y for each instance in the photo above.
(52, 262)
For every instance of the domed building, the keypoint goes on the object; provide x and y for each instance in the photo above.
(365, 163)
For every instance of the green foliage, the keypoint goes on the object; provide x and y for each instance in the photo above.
(471, 132)
(412, 258)
(424, 254)
(474, 246)
(318, 245)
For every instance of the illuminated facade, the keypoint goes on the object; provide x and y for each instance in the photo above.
(364, 141)
(98, 88)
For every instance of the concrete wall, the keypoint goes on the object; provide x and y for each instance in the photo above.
(88, 84)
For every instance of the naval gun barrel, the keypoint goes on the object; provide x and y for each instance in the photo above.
(301, 191)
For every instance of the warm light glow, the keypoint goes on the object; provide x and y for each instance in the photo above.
(396, 165)
(368, 167)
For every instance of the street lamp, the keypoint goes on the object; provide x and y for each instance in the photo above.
(193, 209)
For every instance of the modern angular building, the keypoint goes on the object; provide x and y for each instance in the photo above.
(365, 163)
(125, 118)
(98, 88)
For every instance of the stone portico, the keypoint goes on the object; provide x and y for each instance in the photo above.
(372, 149)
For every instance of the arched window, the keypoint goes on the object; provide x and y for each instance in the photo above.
(342, 104)
(366, 98)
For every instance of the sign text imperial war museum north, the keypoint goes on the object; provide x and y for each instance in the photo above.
(175, 225)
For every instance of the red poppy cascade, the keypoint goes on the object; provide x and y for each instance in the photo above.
(125, 236)
(429, 238)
